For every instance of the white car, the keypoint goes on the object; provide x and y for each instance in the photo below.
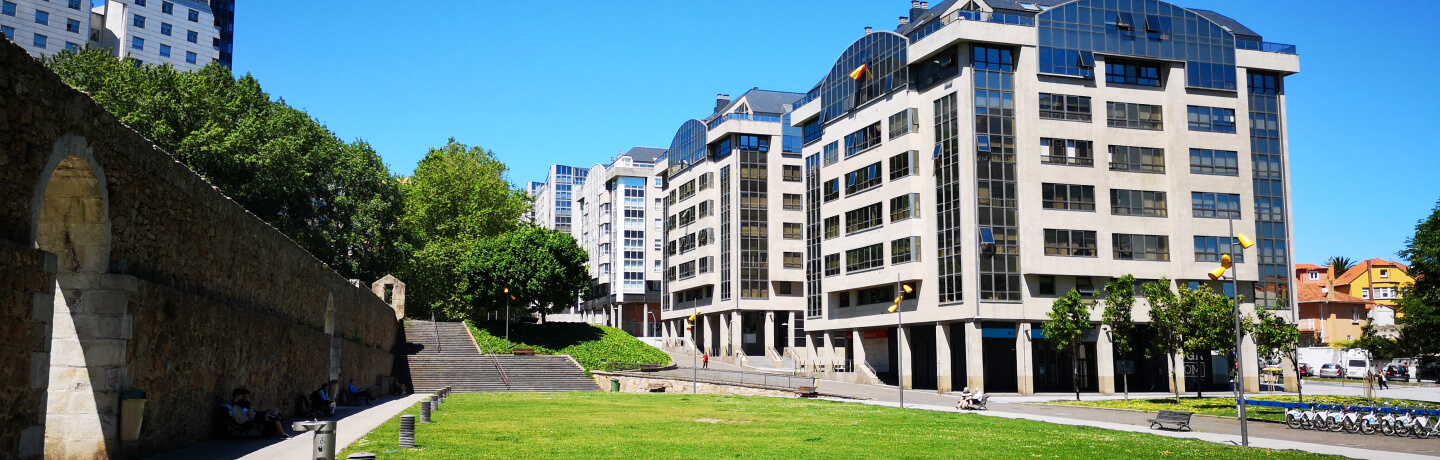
(1331, 370)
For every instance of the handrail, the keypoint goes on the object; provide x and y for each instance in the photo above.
(501, 370)
(742, 116)
(965, 15)
(1268, 47)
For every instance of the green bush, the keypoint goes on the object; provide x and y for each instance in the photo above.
(592, 346)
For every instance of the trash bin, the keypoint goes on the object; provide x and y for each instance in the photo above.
(132, 413)
(615, 385)
(323, 445)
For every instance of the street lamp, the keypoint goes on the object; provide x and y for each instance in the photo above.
(899, 335)
(508, 298)
(650, 328)
(694, 369)
(1226, 262)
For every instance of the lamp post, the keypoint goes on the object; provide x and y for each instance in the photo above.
(508, 297)
(694, 369)
(649, 326)
(1226, 262)
(901, 290)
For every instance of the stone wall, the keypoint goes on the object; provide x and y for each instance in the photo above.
(633, 384)
(221, 299)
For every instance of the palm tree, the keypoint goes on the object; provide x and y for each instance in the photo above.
(1339, 265)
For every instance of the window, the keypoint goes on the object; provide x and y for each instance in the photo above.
(832, 265)
(687, 190)
(832, 190)
(1134, 116)
(862, 219)
(832, 227)
(687, 243)
(792, 173)
(832, 153)
(190, 59)
(8, 32)
(862, 140)
(687, 216)
(72, 47)
(705, 264)
(72, 25)
(865, 258)
(139, 22)
(194, 15)
(1215, 205)
(164, 50)
(905, 164)
(1132, 73)
(1137, 203)
(705, 208)
(794, 231)
(1137, 159)
(1314, 275)
(7, 9)
(74, 5)
(793, 201)
(905, 122)
(1047, 285)
(812, 131)
(1067, 152)
(1210, 248)
(1384, 273)
(703, 182)
(192, 37)
(136, 62)
(1141, 247)
(1064, 107)
(1212, 119)
(792, 260)
(863, 179)
(878, 294)
(905, 207)
(1076, 243)
(1070, 197)
(1214, 162)
(139, 2)
(905, 250)
(1365, 293)
(40, 41)
(1386, 293)
(687, 270)
(167, 7)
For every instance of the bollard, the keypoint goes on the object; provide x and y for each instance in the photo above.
(323, 444)
(407, 431)
(434, 405)
(425, 411)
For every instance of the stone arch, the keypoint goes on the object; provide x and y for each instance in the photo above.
(88, 325)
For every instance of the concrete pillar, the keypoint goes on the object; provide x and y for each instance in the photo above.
(859, 356)
(737, 333)
(906, 357)
(1024, 361)
(812, 350)
(770, 333)
(974, 356)
(1105, 361)
(724, 320)
(827, 356)
(942, 359)
(1250, 362)
(704, 344)
(644, 320)
(790, 330)
(619, 317)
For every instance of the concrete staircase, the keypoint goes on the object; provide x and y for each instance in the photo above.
(450, 358)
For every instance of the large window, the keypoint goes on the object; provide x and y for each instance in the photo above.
(863, 179)
(905, 207)
(1141, 247)
(863, 218)
(1135, 116)
(1069, 197)
(905, 122)
(865, 258)
(832, 264)
(1132, 72)
(704, 181)
(1211, 119)
(139, 22)
(1216, 162)
(1210, 248)
(1137, 159)
(1067, 152)
(687, 190)
(832, 153)
(905, 250)
(706, 208)
(792, 260)
(1064, 107)
(1215, 205)
(7, 8)
(905, 164)
(1137, 203)
(1074, 243)
(831, 189)
(813, 131)
(794, 231)
(792, 173)
(862, 140)
(832, 227)
(41, 41)
(792, 201)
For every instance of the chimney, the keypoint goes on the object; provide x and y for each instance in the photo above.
(721, 100)
(904, 20)
(915, 10)
(867, 31)
(1329, 289)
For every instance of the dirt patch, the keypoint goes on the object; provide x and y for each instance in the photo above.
(716, 420)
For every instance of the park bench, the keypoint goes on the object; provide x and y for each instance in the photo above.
(656, 388)
(649, 368)
(1181, 420)
(524, 352)
(807, 391)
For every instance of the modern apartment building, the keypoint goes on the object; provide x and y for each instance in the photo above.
(734, 220)
(182, 33)
(618, 222)
(554, 199)
(994, 155)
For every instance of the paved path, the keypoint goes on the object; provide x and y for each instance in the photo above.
(353, 423)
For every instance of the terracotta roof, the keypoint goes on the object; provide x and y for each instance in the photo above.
(1308, 267)
(1315, 293)
(1360, 269)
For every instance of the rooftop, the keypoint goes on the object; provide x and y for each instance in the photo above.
(761, 101)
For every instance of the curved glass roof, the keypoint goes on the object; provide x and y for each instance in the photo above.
(883, 54)
(688, 147)
(1139, 28)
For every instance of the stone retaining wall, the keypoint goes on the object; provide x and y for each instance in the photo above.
(634, 384)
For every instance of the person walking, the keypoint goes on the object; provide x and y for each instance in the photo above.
(705, 361)
(1380, 379)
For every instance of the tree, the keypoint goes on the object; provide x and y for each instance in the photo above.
(1379, 348)
(1211, 324)
(1069, 320)
(1339, 265)
(1168, 317)
(543, 269)
(1276, 338)
(1420, 301)
(1118, 316)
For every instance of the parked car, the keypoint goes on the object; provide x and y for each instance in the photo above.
(1393, 372)
(1305, 370)
(1331, 370)
(1357, 369)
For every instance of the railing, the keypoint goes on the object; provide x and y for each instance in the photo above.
(1308, 325)
(742, 116)
(726, 377)
(1067, 160)
(962, 15)
(1268, 47)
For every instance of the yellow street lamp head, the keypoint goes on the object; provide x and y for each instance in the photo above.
(1245, 241)
(507, 290)
(893, 308)
(692, 317)
(1225, 261)
(1217, 273)
(907, 288)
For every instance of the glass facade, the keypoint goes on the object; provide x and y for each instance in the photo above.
(948, 183)
(814, 294)
(687, 149)
(754, 216)
(1267, 158)
(726, 222)
(883, 55)
(1072, 32)
(998, 211)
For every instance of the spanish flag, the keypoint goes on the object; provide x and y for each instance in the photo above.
(859, 72)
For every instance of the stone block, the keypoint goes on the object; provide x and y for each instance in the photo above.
(39, 370)
(32, 441)
(42, 307)
(103, 352)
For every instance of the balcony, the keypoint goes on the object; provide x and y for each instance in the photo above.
(742, 116)
(1309, 325)
(977, 16)
(1268, 47)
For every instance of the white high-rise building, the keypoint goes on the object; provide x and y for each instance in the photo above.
(554, 198)
(618, 222)
(45, 27)
(182, 33)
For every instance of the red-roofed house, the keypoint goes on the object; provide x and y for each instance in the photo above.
(1379, 280)
(1327, 316)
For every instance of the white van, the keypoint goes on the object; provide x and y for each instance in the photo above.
(1356, 367)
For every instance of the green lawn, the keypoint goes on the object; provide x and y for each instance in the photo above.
(594, 347)
(1225, 407)
(633, 426)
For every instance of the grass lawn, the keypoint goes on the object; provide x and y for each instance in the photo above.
(1225, 407)
(631, 426)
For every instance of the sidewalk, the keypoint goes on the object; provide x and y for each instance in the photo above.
(353, 422)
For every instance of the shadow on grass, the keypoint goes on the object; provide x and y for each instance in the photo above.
(555, 336)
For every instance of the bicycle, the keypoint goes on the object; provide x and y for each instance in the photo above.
(1370, 422)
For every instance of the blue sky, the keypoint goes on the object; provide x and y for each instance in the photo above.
(578, 82)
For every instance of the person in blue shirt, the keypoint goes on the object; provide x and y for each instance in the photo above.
(358, 394)
(322, 400)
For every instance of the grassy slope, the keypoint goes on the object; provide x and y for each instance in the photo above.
(1226, 406)
(631, 426)
(590, 345)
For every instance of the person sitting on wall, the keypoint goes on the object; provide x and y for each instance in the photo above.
(268, 421)
(322, 401)
(964, 399)
(356, 394)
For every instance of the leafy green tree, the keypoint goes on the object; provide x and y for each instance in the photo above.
(543, 269)
(1168, 317)
(1339, 265)
(1420, 301)
(1069, 320)
(337, 200)
(1276, 338)
(1118, 315)
(1211, 324)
